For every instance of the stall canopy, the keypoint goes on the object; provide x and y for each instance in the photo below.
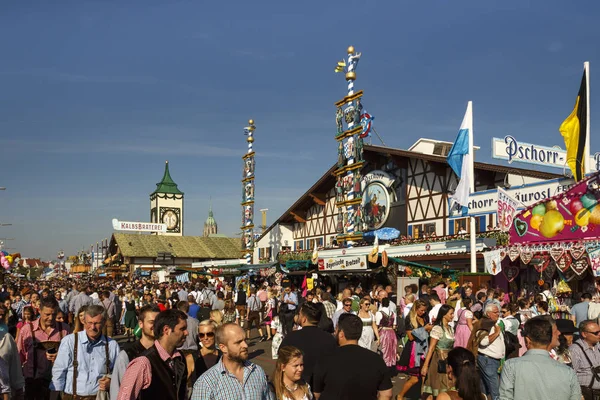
(571, 216)
(252, 267)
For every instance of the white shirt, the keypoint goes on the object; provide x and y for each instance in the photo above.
(495, 349)
(407, 309)
(388, 311)
(434, 312)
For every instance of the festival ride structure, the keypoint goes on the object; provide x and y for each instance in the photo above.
(248, 195)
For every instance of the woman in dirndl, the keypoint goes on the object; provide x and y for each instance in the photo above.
(441, 341)
(388, 342)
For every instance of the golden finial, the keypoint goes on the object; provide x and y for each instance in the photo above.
(351, 50)
(250, 139)
(251, 121)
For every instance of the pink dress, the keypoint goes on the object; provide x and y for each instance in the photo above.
(462, 331)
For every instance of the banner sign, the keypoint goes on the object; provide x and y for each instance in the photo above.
(511, 150)
(594, 256)
(486, 202)
(342, 263)
(138, 226)
(507, 208)
(570, 216)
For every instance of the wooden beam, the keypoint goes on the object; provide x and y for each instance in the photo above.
(299, 218)
(318, 198)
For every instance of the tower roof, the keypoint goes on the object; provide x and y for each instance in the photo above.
(210, 221)
(167, 185)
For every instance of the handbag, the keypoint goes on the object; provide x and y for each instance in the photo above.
(441, 366)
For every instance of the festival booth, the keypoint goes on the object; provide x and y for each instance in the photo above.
(560, 238)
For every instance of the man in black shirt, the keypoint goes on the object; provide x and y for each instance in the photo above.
(313, 341)
(339, 377)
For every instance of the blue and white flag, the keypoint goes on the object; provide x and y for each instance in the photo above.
(459, 159)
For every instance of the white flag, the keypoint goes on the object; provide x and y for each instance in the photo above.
(493, 262)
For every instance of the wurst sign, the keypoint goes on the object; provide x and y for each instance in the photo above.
(342, 263)
(138, 226)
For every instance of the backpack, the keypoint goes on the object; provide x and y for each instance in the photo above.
(511, 344)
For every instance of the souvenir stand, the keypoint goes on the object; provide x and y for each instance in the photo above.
(560, 238)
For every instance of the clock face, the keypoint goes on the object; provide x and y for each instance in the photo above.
(170, 219)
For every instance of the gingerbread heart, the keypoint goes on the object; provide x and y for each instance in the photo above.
(510, 272)
(526, 254)
(564, 262)
(514, 252)
(521, 227)
(577, 250)
(556, 252)
(579, 266)
(540, 262)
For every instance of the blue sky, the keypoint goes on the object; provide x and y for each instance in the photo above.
(96, 95)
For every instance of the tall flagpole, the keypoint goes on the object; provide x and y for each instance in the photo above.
(586, 152)
(472, 229)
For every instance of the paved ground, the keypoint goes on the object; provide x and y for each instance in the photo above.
(260, 353)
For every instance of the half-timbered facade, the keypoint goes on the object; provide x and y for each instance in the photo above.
(414, 201)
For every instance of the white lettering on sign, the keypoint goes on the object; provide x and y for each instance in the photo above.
(138, 226)
(342, 263)
(512, 150)
(486, 202)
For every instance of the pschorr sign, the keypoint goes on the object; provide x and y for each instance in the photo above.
(138, 226)
(511, 149)
(342, 263)
(486, 202)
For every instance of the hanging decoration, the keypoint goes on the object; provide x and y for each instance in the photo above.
(526, 254)
(540, 262)
(492, 262)
(510, 269)
(564, 263)
(594, 257)
(577, 250)
(557, 252)
(579, 266)
(514, 253)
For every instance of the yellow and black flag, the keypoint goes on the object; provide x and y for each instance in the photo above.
(574, 131)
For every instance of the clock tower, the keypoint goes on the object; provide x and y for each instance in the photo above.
(166, 205)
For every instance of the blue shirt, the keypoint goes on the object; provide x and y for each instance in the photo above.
(580, 311)
(219, 384)
(293, 297)
(536, 376)
(193, 312)
(92, 364)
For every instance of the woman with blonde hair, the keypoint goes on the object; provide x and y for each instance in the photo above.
(79, 321)
(287, 378)
(216, 317)
(370, 333)
(413, 354)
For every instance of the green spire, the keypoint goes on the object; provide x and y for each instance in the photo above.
(210, 221)
(167, 185)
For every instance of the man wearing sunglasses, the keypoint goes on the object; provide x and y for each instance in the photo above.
(585, 356)
(146, 319)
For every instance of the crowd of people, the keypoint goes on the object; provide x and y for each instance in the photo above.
(191, 341)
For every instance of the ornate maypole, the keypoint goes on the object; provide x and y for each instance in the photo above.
(350, 155)
(248, 195)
